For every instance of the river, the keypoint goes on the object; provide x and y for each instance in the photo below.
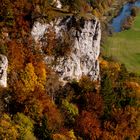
(124, 13)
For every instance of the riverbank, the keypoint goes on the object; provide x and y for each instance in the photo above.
(126, 17)
(109, 14)
(125, 47)
(114, 10)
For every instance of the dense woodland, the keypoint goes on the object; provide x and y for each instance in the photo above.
(31, 107)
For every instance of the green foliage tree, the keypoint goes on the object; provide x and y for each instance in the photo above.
(70, 111)
(25, 127)
(42, 130)
(107, 93)
(6, 13)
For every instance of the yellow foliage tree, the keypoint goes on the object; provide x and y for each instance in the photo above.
(25, 84)
(68, 135)
(29, 78)
(8, 130)
(40, 70)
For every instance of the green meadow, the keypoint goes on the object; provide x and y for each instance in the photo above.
(125, 47)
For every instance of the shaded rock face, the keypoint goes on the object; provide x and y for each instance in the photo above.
(3, 70)
(85, 49)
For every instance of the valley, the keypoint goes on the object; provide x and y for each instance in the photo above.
(124, 46)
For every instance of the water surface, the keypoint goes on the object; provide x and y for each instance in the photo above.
(124, 13)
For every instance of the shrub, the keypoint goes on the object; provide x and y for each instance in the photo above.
(134, 11)
(70, 112)
(3, 49)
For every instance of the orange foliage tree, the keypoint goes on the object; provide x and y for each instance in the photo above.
(40, 104)
(123, 125)
(94, 103)
(88, 126)
(44, 112)
(16, 55)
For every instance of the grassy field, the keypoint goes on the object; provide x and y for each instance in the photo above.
(125, 47)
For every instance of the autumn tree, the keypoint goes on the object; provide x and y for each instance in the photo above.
(26, 83)
(93, 102)
(65, 135)
(123, 120)
(40, 108)
(88, 85)
(19, 127)
(88, 126)
(16, 55)
(8, 129)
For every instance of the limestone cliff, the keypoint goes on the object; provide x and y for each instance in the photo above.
(3, 70)
(85, 47)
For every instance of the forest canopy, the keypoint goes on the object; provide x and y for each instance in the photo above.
(35, 106)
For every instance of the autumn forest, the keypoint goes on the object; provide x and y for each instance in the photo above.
(35, 105)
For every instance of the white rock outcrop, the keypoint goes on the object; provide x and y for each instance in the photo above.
(57, 3)
(85, 50)
(3, 70)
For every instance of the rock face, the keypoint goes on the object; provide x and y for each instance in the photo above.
(3, 70)
(85, 49)
(57, 4)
